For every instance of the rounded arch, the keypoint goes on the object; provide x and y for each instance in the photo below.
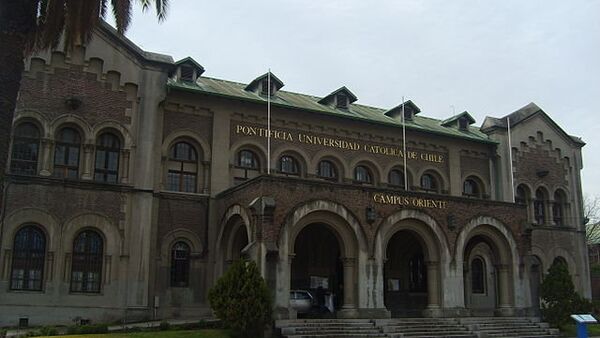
(101, 223)
(231, 222)
(564, 254)
(398, 166)
(425, 226)
(478, 179)
(70, 120)
(371, 165)
(297, 153)
(436, 173)
(46, 221)
(115, 128)
(500, 238)
(189, 136)
(345, 225)
(253, 146)
(30, 116)
(180, 235)
(327, 154)
(542, 188)
(538, 252)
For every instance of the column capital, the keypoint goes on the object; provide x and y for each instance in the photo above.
(432, 264)
(502, 267)
(348, 261)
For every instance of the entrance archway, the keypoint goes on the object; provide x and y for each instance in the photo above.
(317, 267)
(405, 275)
(535, 281)
(480, 277)
(232, 242)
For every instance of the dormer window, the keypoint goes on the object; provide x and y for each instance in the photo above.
(260, 85)
(342, 101)
(463, 124)
(408, 115)
(264, 88)
(187, 73)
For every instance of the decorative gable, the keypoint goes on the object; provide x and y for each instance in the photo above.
(410, 110)
(188, 70)
(260, 85)
(341, 98)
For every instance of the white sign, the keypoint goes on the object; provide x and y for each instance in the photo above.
(585, 318)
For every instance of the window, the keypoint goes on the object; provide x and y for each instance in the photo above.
(417, 273)
(463, 124)
(29, 250)
(187, 73)
(429, 183)
(477, 276)
(183, 168)
(521, 196)
(25, 150)
(471, 188)
(363, 175)
(264, 87)
(558, 208)
(180, 264)
(86, 265)
(108, 149)
(248, 160)
(539, 207)
(326, 169)
(341, 101)
(289, 165)
(396, 178)
(66, 154)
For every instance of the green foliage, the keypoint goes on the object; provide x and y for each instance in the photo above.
(164, 325)
(87, 329)
(241, 299)
(47, 331)
(559, 297)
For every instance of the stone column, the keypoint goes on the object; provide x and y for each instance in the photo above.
(349, 292)
(46, 157)
(125, 155)
(433, 290)
(87, 162)
(504, 306)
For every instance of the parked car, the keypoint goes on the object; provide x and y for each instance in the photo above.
(301, 300)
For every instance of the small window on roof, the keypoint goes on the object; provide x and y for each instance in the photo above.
(187, 73)
(342, 101)
(463, 124)
(264, 88)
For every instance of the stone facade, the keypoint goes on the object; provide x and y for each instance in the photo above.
(143, 226)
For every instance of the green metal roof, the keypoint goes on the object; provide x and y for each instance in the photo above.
(310, 104)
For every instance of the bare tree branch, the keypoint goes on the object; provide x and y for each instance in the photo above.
(591, 214)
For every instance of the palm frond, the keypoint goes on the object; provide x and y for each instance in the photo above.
(122, 13)
(161, 9)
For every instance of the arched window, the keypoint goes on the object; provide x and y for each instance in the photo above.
(66, 154)
(558, 208)
(539, 207)
(25, 149)
(477, 275)
(429, 183)
(417, 273)
(29, 251)
(521, 195)
(108, 149)
(471, 188)
(396, 178)
(362, 174)
(183, 168)
(247, 159)
(326, 169)
(180, 264)
(86, 264)
(289, 165)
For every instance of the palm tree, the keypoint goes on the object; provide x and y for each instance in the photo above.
(30, 25)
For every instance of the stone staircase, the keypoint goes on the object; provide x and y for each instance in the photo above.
(522, 327)
(338, 328)
(468, 327)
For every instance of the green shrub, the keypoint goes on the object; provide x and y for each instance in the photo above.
(241, 300)
(87, 329)
(164, 325)
(48, 331)
(559, 297)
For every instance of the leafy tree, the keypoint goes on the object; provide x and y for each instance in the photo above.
(29, 25)
(559, 297)
(241, 299)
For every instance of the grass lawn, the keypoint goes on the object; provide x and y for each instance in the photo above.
(571, 330)
(159, 334)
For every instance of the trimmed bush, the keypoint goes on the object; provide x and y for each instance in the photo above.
(559, 297)
(164, 325)
(241, 299)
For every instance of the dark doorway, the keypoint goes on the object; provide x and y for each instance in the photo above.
(317, 268)
(535, 280)
(405, 276)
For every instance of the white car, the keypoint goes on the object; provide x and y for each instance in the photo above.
(301, 300)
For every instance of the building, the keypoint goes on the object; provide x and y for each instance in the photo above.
(135, 181)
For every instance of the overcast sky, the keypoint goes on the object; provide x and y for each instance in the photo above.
(487, 57)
